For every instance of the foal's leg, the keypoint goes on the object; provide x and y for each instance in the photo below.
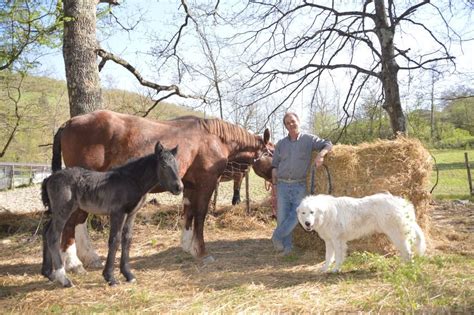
(126, 241)
(47, 266)
(116, 225)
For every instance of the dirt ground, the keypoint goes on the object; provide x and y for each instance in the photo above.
(239, 243)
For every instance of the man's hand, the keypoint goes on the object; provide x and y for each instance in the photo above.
(318, 161)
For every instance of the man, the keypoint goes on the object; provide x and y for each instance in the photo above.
(291, 161)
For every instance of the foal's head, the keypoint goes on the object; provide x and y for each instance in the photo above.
(167, 169)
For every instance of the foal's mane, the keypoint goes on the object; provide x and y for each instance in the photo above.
(228, 132)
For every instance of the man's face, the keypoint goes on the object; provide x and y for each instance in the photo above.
(292, 124)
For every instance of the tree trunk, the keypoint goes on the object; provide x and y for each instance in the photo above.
(80, 58)
(389, 73)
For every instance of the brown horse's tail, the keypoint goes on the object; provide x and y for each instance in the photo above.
(56, 163)
(44, 194)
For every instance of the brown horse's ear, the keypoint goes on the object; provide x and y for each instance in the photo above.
(174, 150)
(266, 136)
(158, 148)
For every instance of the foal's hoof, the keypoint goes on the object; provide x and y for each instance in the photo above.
(46, 273)
(133, 280)
(68, 284)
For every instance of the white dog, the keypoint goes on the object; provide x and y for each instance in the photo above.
(341, 219)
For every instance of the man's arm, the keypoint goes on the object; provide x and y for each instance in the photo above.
(318, 161)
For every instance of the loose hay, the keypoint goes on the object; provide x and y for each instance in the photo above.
(401, 167)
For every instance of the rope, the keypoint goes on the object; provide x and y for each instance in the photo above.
(313, 176)
(437, 173)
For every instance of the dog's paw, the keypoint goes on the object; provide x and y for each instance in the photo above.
(323, 269)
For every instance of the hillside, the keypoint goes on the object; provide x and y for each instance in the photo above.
(43, 106)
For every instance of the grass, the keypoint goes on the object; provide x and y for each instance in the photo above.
(247, 276)
(452, 174)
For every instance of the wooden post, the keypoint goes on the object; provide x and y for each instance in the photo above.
(214, 202)
(12, 177)
(468, 168)
(247, 201)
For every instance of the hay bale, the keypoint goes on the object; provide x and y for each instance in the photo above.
(401, 167)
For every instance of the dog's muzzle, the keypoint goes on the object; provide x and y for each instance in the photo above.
(307, 225)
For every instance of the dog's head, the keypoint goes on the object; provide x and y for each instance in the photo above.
(309, 215)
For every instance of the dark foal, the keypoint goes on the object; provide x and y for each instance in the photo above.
(118, 193)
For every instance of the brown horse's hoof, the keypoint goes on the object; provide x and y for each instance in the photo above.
(208, 260)
(79, 269)
(95, 264)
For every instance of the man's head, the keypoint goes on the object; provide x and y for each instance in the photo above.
(292, 123)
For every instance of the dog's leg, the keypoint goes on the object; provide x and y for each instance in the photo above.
(340, 248)
(329, 256)
(402, 242)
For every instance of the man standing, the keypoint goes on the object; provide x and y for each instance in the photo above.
(291, 161)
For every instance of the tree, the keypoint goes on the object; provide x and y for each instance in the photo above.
(80, 56)
(460, 110)
(295, 46)
(25, 27)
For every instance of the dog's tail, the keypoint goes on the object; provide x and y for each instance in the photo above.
(419, 241)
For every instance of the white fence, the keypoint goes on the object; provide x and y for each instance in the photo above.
(21, 174)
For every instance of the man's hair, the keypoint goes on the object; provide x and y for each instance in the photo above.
(290, 114)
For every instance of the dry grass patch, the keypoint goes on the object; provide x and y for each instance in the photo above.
(248, 276)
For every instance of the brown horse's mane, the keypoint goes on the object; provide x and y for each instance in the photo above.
(228, 132)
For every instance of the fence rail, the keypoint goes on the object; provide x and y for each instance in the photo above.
(22, 174)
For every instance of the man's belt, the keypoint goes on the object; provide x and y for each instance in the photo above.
(291, 181)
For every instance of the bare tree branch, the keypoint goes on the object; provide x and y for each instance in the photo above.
(18, 117)
(157, 87)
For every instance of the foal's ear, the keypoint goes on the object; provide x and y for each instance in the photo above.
(158, 148)
(174, 150)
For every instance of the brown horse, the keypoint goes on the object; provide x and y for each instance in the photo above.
(103, 139)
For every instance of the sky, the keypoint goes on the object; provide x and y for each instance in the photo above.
(160, 18)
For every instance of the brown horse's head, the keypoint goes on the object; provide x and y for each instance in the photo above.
(262, 165)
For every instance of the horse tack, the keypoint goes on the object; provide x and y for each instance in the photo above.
(104, 139)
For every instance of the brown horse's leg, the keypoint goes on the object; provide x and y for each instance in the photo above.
(68, 244)
(237, 184)
(199, 205)
(187, 233)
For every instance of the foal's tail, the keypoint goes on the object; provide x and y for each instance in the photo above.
(56, 159)
(44, 194)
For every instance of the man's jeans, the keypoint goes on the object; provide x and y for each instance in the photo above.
(289, 196)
